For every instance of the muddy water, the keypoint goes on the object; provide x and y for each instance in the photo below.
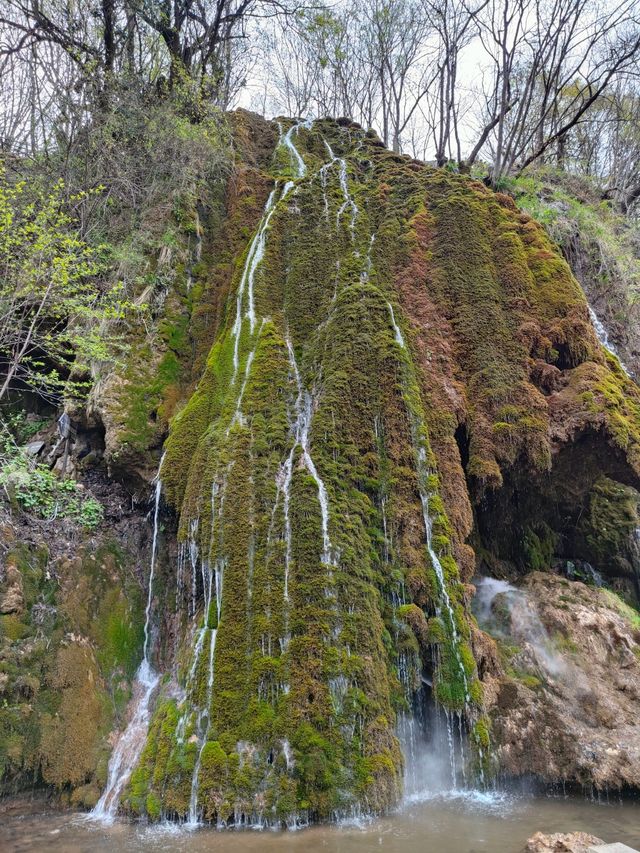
(473, 823)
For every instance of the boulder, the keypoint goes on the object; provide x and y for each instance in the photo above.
(559, 842)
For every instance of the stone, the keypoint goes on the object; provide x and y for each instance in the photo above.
(559, 842)
(580, 721)
(43, 615)
(34, 448)
(612, 848)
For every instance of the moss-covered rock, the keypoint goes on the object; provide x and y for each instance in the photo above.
(380, 351)
(67, 657)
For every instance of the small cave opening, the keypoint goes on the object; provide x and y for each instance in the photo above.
(461, 436)
(580, 519)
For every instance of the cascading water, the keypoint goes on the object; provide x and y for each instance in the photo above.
(396, 329)
(131, 742)
(303, 411)
(254, 256)
(348, 200)
(204, 713)
(423, 473)
(209, 576)
(287, 141)
(430, 768)
(603, 337)
(445, 601)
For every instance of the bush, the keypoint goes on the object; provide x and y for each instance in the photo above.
(36, 489)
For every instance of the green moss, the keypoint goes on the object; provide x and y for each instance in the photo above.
(68, 686)
(539, 546)
(309, 629)
(631, 614)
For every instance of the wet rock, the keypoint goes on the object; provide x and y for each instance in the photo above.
(572, 842)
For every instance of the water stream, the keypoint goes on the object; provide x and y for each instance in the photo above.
(211, 568)
(129, 747)
(254, 257)
(303, 413)
(603, 337)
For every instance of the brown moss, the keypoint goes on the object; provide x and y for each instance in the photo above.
(71, 739)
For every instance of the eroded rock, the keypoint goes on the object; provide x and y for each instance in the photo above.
(12, 596)
(569, 711)
(572, 842)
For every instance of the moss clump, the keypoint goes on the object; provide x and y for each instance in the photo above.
(610, 522)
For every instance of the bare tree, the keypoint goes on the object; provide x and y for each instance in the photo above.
(455, 24)
(552, 60)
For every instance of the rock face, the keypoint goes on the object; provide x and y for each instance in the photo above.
(70, 636)
(567, 707)
(572, 842)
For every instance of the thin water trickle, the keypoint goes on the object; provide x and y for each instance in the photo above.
(303, 412)
(129, 747)
(194, 819)
(348, 200)
(254, 257)
(365, 275)
(437, 565)
(300, 420)
(396, 329)
(287, 141)
(603, 337)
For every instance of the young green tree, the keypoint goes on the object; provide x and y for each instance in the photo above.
(53, 310)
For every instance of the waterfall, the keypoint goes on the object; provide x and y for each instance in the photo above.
(525, 625)
(396, 329)
(300, 424)
(422, 471)
(348, 200)
(603, 337)
(131, 742)
(193, 819)
(303, 411)
(246, 286)
(154, 549)
(444, 593)
(211, 584)
(258, 246)
(365, 275)
(426, 759)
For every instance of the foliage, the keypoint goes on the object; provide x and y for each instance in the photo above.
(53, 312)
(38, 490)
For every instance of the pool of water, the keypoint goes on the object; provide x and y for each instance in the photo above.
(472, 822)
